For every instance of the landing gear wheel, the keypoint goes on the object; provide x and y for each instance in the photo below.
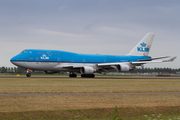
(72, 75)
(87, 75)
(28, 74)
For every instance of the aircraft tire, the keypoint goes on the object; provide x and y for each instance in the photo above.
(72, 75)
(87, 75)
(28, 74)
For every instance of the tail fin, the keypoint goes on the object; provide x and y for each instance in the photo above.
(144, 46)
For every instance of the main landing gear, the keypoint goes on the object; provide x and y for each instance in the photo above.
(87, 75)
(72, 75)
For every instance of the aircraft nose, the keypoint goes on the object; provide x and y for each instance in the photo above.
(13, 59)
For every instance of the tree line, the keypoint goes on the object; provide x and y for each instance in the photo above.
(157, 70)
(138, 70)
(12, 70)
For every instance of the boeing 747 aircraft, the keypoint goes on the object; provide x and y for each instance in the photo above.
(54, 61)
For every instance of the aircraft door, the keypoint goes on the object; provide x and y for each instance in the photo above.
(84, 61)
(58, 60)
(30, 55)
(37, 59)
(49, 53)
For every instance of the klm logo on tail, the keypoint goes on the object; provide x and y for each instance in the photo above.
(143, 48)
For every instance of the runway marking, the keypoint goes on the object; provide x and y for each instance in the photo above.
(61, 94)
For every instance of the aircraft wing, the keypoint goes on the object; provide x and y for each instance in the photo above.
(147, 62)
(170, 60)
(154, 58)
(138, 63)
(108, 64)
(72, 66)
(68, 66)
(108, 67)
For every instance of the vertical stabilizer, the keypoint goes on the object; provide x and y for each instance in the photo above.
(143, 47)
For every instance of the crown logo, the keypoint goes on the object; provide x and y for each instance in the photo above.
(143, 44)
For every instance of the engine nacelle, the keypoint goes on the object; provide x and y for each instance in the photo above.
(123, 68)
(50, 72)
(87, 70)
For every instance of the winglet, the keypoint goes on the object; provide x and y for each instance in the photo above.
(170, 60)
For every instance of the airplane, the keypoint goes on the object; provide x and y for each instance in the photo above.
(55, 61)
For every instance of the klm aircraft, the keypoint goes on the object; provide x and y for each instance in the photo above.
(54, 61)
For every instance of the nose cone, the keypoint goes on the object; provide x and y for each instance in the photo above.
(13, 59)
(16, 59)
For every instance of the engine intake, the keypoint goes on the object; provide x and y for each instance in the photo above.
(87, 70)
(123, 68)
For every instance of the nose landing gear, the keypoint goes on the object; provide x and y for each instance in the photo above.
(28, 74)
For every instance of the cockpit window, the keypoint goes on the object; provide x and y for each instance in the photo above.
(24, 52)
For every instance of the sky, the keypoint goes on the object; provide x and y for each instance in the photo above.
(111, 27)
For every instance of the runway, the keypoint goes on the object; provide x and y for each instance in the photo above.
(64, 94)
(98, 77)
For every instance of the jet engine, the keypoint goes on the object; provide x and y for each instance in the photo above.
(87, 70)
(123, 68)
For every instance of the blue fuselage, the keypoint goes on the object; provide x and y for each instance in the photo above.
(35, 55)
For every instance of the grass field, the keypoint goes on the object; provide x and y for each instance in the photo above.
(80, 107)
(61, 85)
